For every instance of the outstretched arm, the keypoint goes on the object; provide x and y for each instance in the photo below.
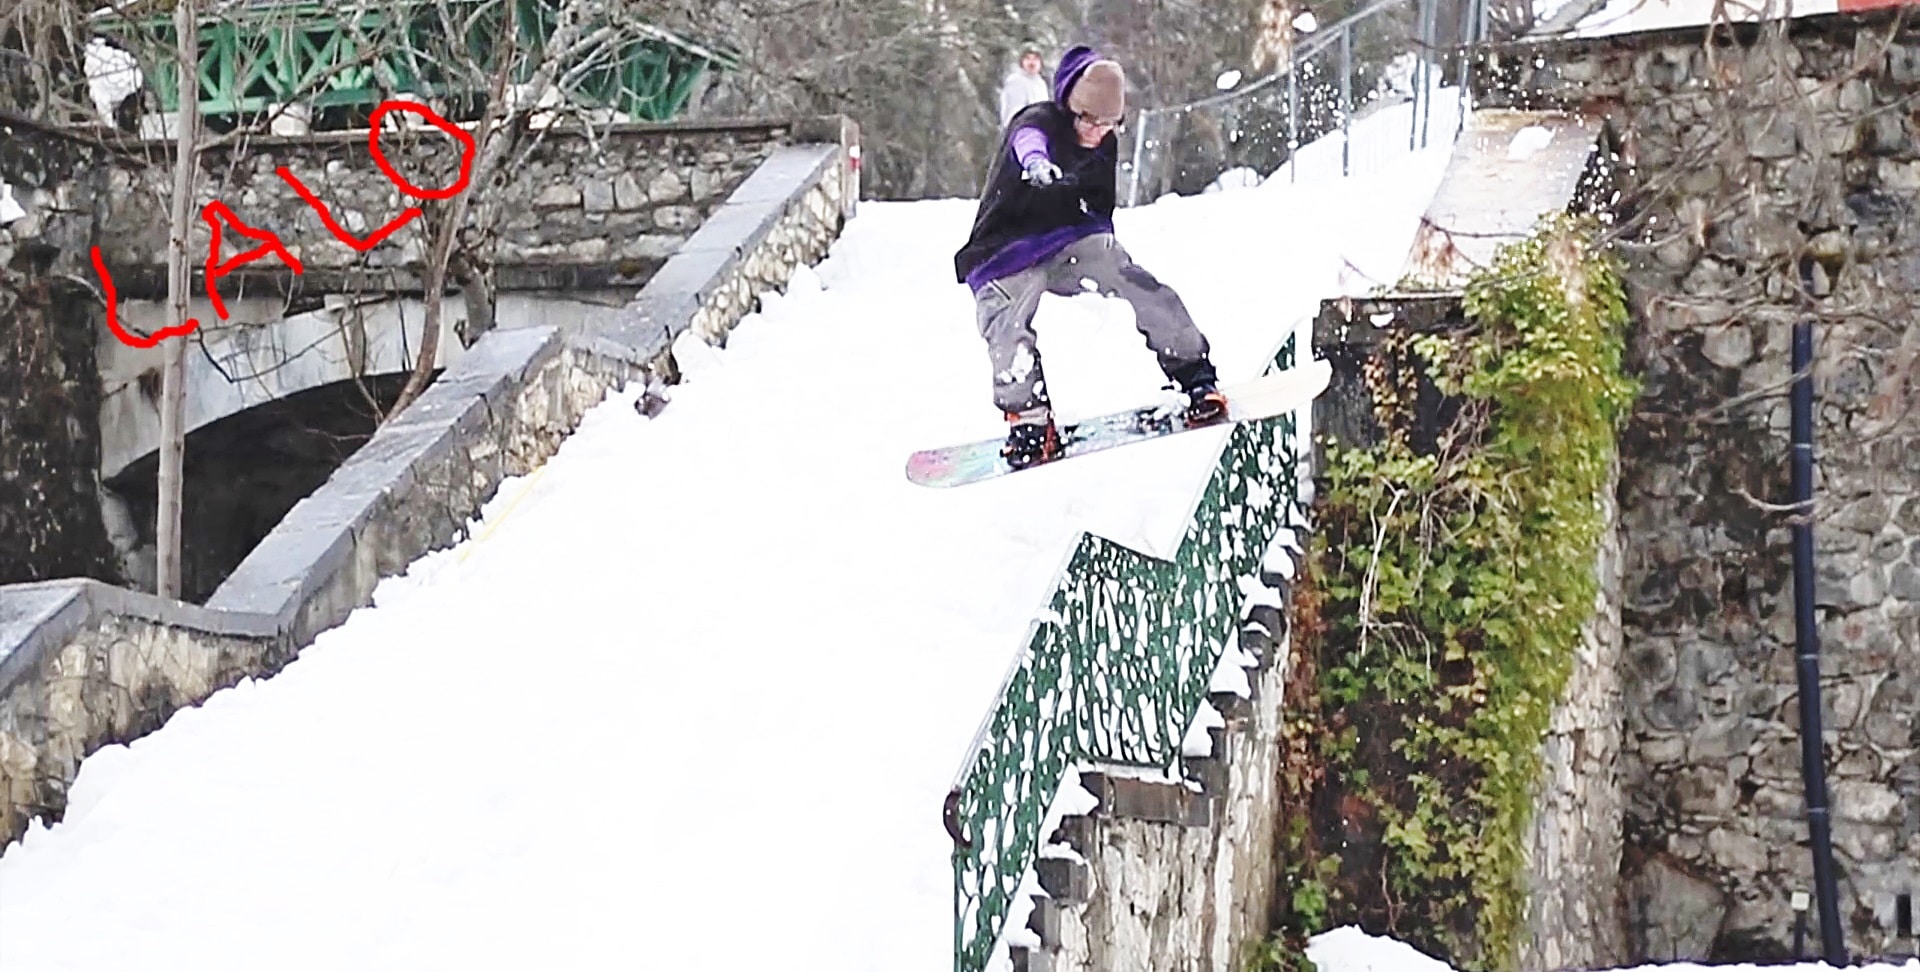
(1029, 144)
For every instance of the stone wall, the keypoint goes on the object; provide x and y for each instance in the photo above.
(83, 665)
(50, 520)
(1750, 155)
(88, 665)
(1574, 920)
(571, 209)
(1173, 876)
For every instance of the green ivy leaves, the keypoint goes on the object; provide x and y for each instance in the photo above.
(1451, 593)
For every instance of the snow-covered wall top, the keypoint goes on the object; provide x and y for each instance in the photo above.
(1610, 18)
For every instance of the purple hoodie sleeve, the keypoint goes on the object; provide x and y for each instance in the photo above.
(1029, 143)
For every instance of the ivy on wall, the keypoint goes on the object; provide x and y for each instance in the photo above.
(1439, 615)
(50, 519)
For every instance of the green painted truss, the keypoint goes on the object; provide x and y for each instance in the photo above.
(1115, 672)
(357, 55)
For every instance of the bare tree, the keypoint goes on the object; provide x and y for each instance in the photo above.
(586, 36)
(173, 369)
(474, 47)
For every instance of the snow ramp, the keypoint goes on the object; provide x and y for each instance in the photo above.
(693, 694)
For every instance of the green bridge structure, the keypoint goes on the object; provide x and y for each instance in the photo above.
(342, 60)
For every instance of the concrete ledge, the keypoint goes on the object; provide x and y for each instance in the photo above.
(37, 617)
(698, 277)
(84, 664)
(313, 547)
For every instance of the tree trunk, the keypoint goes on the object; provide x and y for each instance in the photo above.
(493, 141)
(433, 284)
(173, 352)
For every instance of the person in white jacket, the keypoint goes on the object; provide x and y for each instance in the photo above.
(1024, 86)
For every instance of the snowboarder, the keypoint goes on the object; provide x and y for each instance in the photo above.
(1045, 225)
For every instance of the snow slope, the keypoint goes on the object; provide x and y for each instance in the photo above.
(703, 680)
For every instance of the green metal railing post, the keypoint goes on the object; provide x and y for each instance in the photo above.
(253, 57)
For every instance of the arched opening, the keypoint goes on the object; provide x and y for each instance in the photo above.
(245, 471)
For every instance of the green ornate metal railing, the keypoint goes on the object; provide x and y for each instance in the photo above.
(355, 56)
(1115, 672)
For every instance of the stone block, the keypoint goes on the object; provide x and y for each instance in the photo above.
(435, 407)
(650, 247)
(704, 185)
(558, 196)
(35, 618)
(1860, 844)
(1024, 959)
(1662, 749)
(1771, 136)
(1124, 798)
(627, 193)
(1903, 63)
(1078, 832)
(416, 445)
(1884, 133)
(1064, 879)
(515, 353)
(666, 187)
(676, 219)
(1044, 921)
(597, 196)
(1674, 915)
(1737, 850)
(1898, 174)
(1727, 345)
(591, 250)
(740, 229)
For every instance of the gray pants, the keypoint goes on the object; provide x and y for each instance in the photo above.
(1095, 264)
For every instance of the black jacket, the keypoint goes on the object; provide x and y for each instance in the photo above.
(1032, 223)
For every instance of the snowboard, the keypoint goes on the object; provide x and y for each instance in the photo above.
(1262, 398)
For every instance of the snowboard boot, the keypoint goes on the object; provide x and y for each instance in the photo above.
(1202, 387)
(1205, 404)
(1031, 437)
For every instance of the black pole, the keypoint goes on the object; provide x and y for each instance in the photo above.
(1813, 764)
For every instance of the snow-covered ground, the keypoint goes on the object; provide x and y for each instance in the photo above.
(1349, 949)
(692, 696)
(1618, 17)
(1377, 140)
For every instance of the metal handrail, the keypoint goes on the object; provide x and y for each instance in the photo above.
(1340, 33)
(1314, 45)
